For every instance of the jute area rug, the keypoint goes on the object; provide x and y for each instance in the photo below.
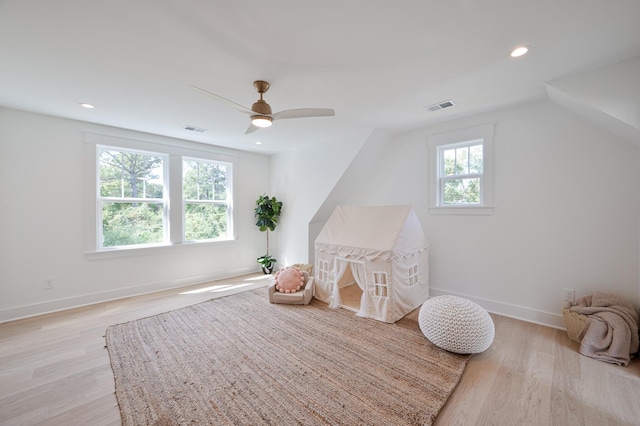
(240, 360)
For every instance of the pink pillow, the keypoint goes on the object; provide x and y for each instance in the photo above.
(289, 280)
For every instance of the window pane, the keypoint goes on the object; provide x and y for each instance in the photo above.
(126, 224)
(475, 159)
(205, 221)
(462, 161)
(190, 180)
(462, 191)
(130, 175)
(204, 180)
(449, 162)
(220, 181)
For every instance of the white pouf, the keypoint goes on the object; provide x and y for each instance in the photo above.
(456, 324)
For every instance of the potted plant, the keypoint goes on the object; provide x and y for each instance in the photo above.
(267, 212)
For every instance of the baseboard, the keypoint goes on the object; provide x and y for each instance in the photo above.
(523, 313)
(50, 306)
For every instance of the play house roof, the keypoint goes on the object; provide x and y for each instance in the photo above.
(372, 232)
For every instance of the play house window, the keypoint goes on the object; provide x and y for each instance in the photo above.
(323, 268)
(413, 275)
(380, 284)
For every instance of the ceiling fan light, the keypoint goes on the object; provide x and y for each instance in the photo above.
(261, 121)
(519, 51)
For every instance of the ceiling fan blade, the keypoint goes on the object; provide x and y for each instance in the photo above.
(252, 129)
(303, 112)
(239, 107)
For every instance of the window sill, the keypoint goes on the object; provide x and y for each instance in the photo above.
(462, 210)
(154, 250)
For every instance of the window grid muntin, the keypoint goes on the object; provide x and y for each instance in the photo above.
(413, 275)
(164, 175)
(380, 284)
(323, 270)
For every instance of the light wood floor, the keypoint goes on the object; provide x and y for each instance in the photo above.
(54, 370)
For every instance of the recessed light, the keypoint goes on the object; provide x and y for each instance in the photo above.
(519, 51)
(258, 143)
(86, 105)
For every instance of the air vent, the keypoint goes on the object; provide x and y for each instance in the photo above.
(441, 105)
(195, 129)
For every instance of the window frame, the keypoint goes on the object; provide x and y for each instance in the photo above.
(175, 150)
(380, 284)
(460, 138)
(323, 270)
(227, 202)
(100, 199)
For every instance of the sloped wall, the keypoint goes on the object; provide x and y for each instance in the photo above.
(303, 179)
(609, 96)
(566, 214)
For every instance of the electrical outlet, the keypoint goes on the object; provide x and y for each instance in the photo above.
(569, 295)
(47, 283)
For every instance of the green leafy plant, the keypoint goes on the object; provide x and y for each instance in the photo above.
(267, 212)
(267, 262)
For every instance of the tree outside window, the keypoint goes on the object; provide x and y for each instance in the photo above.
(461, 174)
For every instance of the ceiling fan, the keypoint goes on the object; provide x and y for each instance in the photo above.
(260, 111)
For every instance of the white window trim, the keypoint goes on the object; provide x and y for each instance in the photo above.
(175, 152)
(164, 200)
(484, 133)
(228, 202)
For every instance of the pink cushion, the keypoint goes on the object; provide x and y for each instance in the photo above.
(289, 280)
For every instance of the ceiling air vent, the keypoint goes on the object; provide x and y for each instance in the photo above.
(441, 105)
(195, 129)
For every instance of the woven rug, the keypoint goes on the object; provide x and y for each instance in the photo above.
(240, 360)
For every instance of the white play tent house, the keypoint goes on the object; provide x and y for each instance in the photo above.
(386, 252)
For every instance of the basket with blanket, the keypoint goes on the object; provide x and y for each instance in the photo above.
(574, 322)
(605, 325)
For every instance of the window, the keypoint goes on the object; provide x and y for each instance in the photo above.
(461, 171)
(413, 275)
(206, 195)
(146, 195)
(323, 270)
(380, 284)
(132, 208)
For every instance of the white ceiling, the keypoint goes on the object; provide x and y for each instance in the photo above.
(378, 63)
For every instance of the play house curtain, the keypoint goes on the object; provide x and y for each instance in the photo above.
(339, 269)
(357, 270)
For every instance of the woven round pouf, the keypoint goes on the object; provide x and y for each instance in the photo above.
(456, 324)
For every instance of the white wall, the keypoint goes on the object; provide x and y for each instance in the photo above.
(613, 89)
(608, 96)
(567, 212)
(42, 222)
(302, 179)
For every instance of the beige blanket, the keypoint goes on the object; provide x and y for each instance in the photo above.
(610, 333)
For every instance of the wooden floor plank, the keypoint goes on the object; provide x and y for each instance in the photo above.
(54, 369)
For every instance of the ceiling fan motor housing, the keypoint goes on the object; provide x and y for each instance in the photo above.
(261, 107)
